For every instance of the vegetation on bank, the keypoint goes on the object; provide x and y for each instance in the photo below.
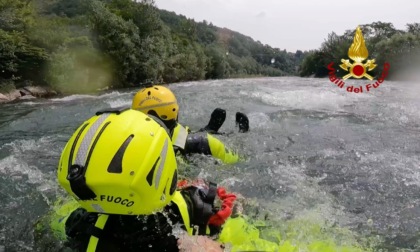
(401, 49)
(84, 45)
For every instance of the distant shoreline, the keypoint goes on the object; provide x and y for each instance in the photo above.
(26, 93)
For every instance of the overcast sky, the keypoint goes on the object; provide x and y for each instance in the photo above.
(295, 24)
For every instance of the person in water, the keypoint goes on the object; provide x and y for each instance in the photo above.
(159, 101)
(120, 167)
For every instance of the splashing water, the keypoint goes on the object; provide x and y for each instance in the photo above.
(321, 169)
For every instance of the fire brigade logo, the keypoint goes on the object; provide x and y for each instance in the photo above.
(357, 69)
(358, 53)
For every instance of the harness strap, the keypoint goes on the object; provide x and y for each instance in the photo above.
(183, 209)
(96, 232)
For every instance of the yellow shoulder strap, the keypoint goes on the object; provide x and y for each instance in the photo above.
(179, 137)
(218, 150)
(93, 241)
(183, 209)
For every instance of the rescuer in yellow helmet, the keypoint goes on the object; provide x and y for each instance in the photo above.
(120, 166)
(159, 101)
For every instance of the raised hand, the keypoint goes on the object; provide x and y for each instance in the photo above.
(242, 121)
(217, 119)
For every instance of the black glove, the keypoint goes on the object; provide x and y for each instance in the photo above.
(217, 119)
(242, 121)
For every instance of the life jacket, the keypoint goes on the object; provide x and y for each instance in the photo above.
(99, 226)
(179, 136)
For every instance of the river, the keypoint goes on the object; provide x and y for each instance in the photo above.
(314, 154)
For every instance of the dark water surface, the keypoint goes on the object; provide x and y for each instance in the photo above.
(315, 154)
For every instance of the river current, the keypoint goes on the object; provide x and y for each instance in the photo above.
(345, 162)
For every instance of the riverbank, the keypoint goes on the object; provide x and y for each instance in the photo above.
(28, 92)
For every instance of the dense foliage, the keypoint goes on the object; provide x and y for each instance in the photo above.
(84, 45)
(401, 49)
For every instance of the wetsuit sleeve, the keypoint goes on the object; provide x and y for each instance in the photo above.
(207, 144)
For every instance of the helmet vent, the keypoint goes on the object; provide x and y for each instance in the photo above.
(174, 182)
(164, 189)
(116, 163)
(149, 177)
(162, 159)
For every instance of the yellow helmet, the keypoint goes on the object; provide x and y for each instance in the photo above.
(158, 101)
(119, 162)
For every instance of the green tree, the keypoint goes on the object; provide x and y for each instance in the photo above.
(120, 40)
(15, 15)
(19, 59)
(133, 39)
(402, 52)
(66, 8)
(50, 32)
(218, 67)
(206, 34)
(314, 64)
(335, 47)
(78, 67)
(186, 61)
(414, 28)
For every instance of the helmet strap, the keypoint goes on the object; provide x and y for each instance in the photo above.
(77, 181)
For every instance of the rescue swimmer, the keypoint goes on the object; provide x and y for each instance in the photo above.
(159, 101)
(126, 156)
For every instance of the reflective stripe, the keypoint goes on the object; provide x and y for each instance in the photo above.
(73, 147)
(179, 137)
(154, 106)
(93, 241)
(162, 163)
(87, 139)
(182, 206)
